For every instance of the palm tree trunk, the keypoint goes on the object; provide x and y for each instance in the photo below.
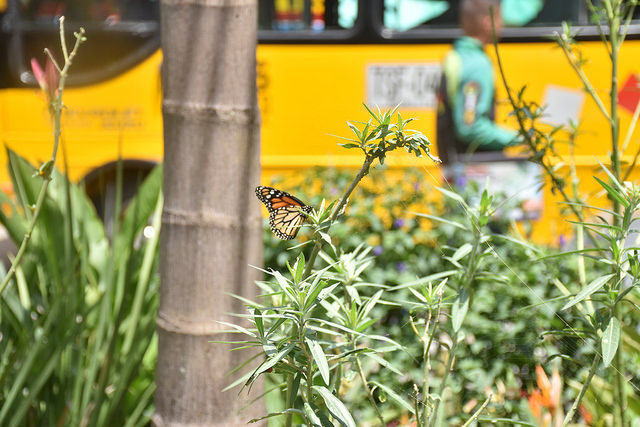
(211, 229)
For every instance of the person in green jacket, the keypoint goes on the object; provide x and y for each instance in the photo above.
(467, 90)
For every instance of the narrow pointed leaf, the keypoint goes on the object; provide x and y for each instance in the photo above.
(370, 304)
(462, 252)
(318, 355)
(588, 290)
(335, 406)
(395, 397)
(459, 309)
(610, 341)
(450, 194)
(613, 193)
(311, 415)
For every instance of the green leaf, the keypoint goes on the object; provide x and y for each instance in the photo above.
(324, 419)
(299, 268)
(371, 112)
(395, 397)
(295, 386)
(15, 224)
(450, 194)
(318, 355)
(257, 318)
(459, 309)
(425, 279)
(462, 251)
(383, 362)
(439, 219)
(326, 237)
(355, 130)
(276, 414)
(610, 341)
(613, 193)
(23, 289)
(335, 406)
(349, 145)
(611, 176)
(238, 328)
(270, 362)
(313, 293)
(139, 210)
(588, 290)
(311, 415)
(370, 304)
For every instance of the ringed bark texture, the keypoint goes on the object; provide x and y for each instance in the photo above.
(211, 229)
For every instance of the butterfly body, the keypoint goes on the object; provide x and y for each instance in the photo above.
(287, 213)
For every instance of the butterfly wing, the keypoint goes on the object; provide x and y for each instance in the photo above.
(287, 213)
(285, 222)
(274, 199)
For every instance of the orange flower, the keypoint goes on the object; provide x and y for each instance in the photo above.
(585, 414)
(535, 403)
(550, 389)
(545, 401)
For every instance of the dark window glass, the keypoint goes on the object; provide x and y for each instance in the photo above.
(84, 12)
(120, 34)
(403, 15)
(310, 15)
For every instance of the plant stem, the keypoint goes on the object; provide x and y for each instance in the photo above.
(615, 122)
(368, 390)
(583, 390)
(288, 398)
(614, 25)
(427, 360)
(364, 170)
(478, 412)
(619, 384)
(575, 64)
(547, 169)
(445, 376)
(46, 171)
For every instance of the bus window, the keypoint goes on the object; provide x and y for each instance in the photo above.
(311, 15)
(121, 34)
(90, 12)
(403, 15)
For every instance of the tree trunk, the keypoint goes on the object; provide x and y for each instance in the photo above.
(211, 229)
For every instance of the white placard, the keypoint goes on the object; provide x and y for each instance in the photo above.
(410, 85)
(562, 105)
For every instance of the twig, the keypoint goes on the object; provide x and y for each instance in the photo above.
(368, 390)
(364, 170)
(573, 61)
(583, 390)
(47, 167)
(478, 412)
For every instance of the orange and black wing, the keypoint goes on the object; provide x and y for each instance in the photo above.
(287, 213)
(285, 222)
(275, 199)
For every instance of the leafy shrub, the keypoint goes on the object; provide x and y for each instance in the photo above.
(77, 324)
(508, 316)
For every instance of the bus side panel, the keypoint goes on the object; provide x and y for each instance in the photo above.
(309, 91)
(121, 112)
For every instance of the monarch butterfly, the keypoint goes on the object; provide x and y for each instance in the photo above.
(286, 212)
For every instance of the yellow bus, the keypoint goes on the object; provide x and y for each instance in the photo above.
(318, 61)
